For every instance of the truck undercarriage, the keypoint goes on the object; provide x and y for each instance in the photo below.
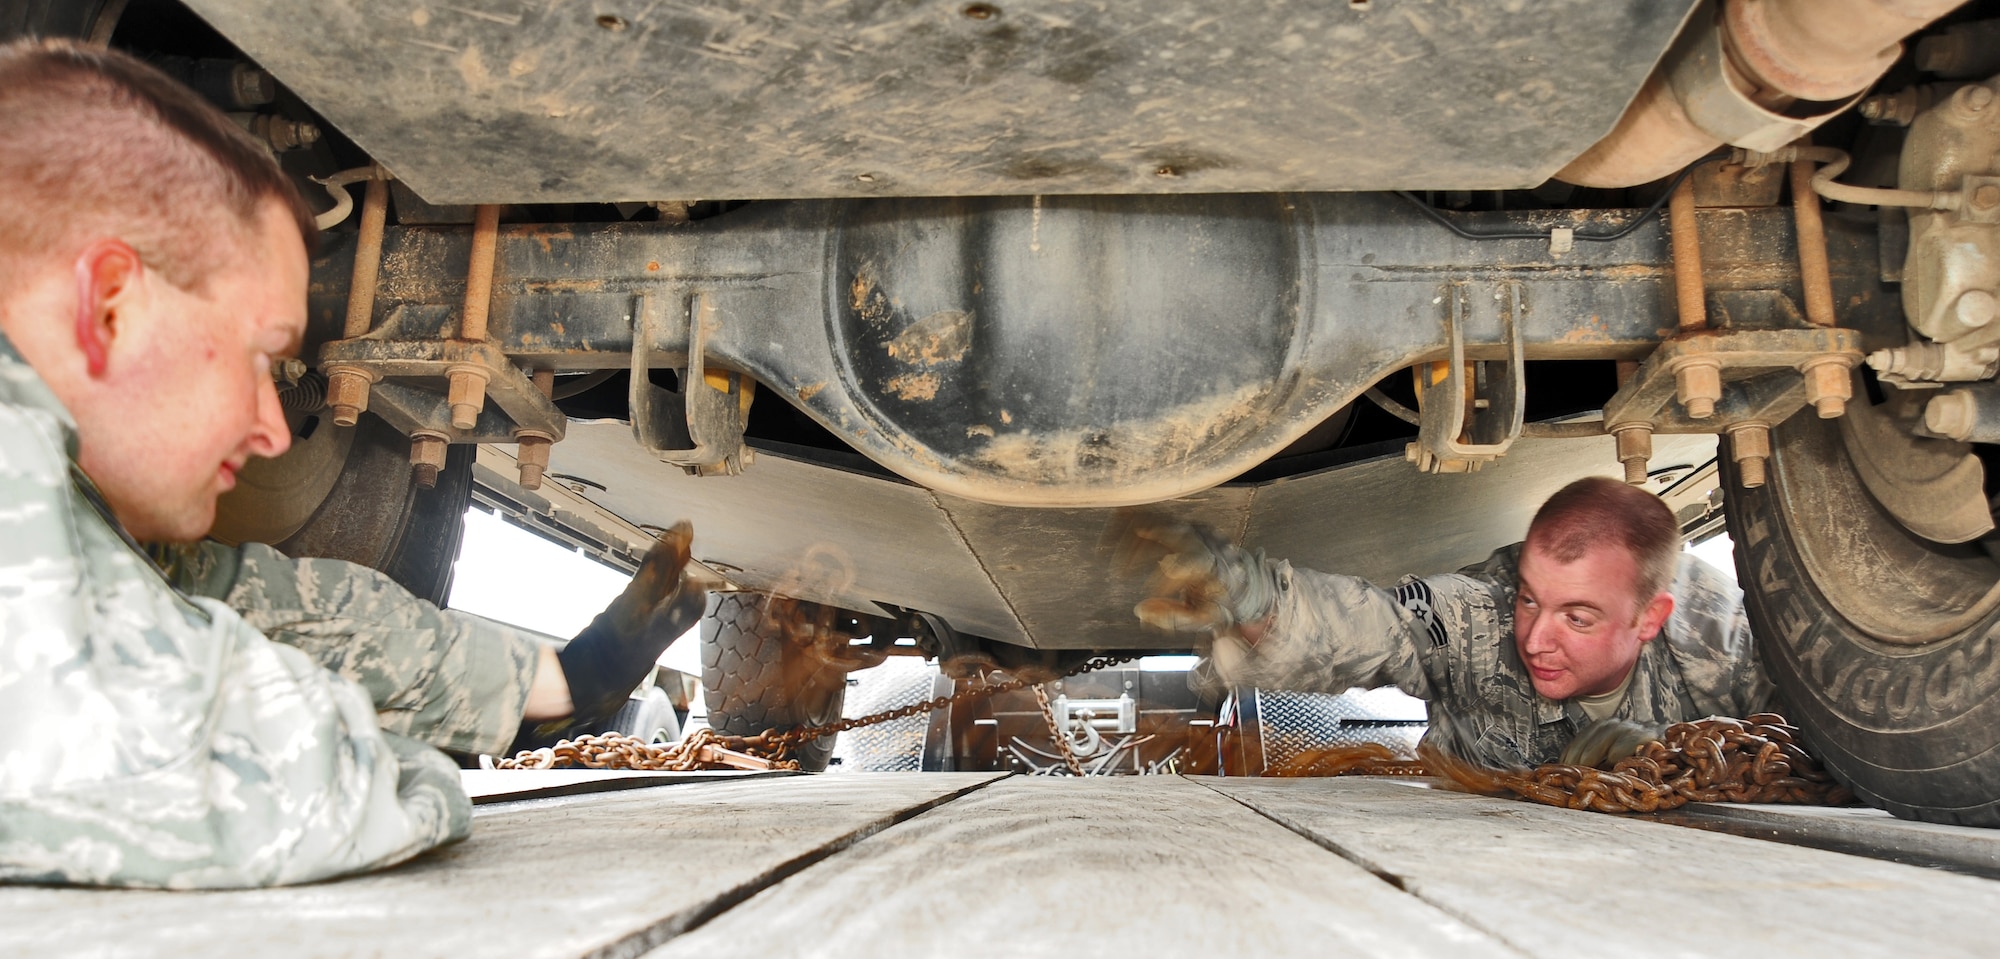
(899, 301)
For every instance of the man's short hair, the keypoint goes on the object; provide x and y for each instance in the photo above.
(94, 143)
(1599, 510)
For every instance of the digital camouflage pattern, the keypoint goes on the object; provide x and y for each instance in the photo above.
(1449, 639)
(156, 739)
(449, 678)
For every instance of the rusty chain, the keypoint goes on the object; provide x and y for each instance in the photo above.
(701, 749)
(1752, 760)
(1057, 733)
(708, 749)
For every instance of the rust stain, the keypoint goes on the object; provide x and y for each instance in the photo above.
(942, 337)
(866, 300)
(1593, 330)
(808, 392)
(914, 387)
(857, 292)
(652, 266)
(1144, 454)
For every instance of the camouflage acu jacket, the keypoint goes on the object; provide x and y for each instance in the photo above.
(152, 739)
(1449, 639)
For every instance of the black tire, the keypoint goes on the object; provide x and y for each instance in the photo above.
(375, 514)
(1882, 644)
(754, 680)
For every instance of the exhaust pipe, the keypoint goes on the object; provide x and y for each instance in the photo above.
(1758, 75)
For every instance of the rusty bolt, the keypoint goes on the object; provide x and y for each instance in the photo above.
(1635, 447)
(427, 451)
(531, 453)
(467, 395)
(1950, 414)
(1828, 386)
(1986, 197)
(347, 393)
(1976, 308)
(1750, 445)
(1699, 387)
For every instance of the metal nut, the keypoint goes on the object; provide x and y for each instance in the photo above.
(531, 454)
(347, 393)
(1699, 387)
(1635, 447)
(427, 451)
(1950, 414)
(467, 396)
(1750, 446)
(1829, 386)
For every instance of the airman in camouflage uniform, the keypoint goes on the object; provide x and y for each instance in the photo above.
(1449, 639)
(152, 268)
(1622, 633)
(154, 739)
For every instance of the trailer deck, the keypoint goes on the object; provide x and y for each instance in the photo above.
(977, 864)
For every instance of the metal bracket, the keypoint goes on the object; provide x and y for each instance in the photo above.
(1461, 429)
(515, 404)
(1759, 370)
(699, 428)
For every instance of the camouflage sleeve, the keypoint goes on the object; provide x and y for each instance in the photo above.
(451, 679)
(1332, 632)
(150, 740)
(1709, 635)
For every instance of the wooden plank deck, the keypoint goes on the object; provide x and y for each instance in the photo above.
(608, 874)
(1138, 866)
(1558, 882)
(972, 865)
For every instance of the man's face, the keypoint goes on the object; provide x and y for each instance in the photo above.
(1579, 625)
(194, 373)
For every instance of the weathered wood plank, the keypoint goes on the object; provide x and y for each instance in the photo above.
(1060, 867)
(1862, 832)
(1557, 882)
(602, 875)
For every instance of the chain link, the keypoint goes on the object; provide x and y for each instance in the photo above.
(1752, 760)
(1057, 733)
(701, 749)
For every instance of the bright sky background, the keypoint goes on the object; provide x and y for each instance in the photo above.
(509, 574)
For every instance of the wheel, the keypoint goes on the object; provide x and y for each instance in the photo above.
(1881, 642)
(755, 679)
(347, 493)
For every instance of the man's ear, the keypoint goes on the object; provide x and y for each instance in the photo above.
(108, 285)
(1655, 616)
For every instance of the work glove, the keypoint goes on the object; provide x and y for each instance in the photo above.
(613, 654)
(1604, 742)
(1198, 580)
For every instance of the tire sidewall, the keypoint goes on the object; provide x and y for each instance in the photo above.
(1912, 729)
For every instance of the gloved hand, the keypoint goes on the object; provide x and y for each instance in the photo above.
(1199, 581)
(1604, 742)
(606, 661)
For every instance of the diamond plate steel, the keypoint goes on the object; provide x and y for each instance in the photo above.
(894, 746)
(1293, 722)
